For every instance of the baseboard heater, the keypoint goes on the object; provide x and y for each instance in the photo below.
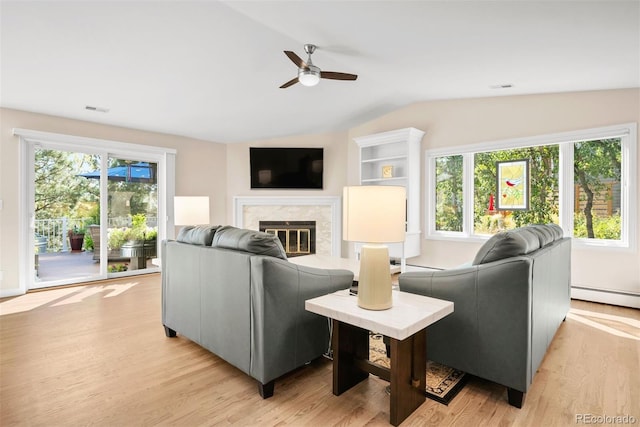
(607, 296)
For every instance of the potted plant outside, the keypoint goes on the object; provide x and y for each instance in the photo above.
(137, 242)
(76, 238)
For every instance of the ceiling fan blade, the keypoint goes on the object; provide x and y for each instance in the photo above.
(295, 59)
(337, 76)
(289, 83)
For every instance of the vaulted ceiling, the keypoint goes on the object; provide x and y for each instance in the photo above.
(212, 69)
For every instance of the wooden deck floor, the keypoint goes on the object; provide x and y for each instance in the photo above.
(71, 265)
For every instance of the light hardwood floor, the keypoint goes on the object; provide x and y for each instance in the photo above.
(97, 355)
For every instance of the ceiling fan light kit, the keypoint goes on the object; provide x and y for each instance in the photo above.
(309, 74)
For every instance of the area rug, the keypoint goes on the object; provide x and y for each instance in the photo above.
(443, 382)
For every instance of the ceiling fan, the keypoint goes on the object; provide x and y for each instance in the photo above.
(309, 74)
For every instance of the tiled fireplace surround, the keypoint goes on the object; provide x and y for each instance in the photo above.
(325, 211)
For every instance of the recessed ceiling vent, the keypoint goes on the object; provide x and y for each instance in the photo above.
(98, 109)
(502, 86)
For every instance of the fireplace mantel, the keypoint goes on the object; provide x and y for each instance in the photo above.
(334, 203)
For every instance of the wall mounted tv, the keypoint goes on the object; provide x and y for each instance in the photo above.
(297, 168)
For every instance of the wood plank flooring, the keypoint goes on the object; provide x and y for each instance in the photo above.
(97, 355)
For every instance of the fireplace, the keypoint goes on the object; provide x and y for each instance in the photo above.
(297, 237)
(326, 211)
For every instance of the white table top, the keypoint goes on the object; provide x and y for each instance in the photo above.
(410, 312)
(331, 262)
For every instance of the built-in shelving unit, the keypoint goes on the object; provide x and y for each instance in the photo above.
(393, 158)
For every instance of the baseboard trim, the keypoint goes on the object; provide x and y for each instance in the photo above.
(13, 292)
(606, 296)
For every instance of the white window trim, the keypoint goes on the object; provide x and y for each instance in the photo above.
(628, 134)
(32, 138)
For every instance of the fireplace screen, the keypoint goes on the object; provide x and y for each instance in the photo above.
(297, 237)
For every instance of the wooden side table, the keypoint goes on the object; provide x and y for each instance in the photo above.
(405, 324)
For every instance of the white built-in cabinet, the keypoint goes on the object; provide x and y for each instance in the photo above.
(393, 158)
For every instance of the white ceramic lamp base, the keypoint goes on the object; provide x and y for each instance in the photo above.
(374, 282)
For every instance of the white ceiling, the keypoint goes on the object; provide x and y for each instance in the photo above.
(212, 70)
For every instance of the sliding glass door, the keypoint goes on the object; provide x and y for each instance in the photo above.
(92, 215)
(65, 204)
(132, 220)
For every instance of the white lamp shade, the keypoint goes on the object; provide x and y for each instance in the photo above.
(191, 210)
(374, 214)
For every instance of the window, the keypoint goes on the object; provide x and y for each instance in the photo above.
(597, 192)
(449, 193)
(543, 189)
(584, 180)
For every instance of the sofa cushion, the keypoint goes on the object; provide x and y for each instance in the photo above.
(506, 244)
(255, 242)
(544, 233)
(557, 230)
(532, 239)
(197, 234)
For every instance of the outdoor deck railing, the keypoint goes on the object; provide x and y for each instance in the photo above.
(51, 234)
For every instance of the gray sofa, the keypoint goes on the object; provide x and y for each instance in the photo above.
(233, 292)
(508, 305)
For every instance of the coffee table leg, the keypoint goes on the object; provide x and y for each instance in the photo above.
(349, 343)
(408, 375)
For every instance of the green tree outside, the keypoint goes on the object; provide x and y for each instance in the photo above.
(59, 191)
(595, 164)
(449, 197)
(62, 192)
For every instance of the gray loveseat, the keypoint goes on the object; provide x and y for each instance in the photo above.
(508, 305)
(233, 292)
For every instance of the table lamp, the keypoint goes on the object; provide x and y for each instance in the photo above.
(190, 210)
(374, 215)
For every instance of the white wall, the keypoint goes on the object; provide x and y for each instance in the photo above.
(200, 170)
(470, 121)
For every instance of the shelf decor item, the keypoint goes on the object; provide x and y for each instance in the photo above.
(374, 215)
(387, 171)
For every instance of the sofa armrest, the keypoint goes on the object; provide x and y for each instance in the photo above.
(488, 334)
(284, 334)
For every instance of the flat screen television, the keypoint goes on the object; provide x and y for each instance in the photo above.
(297, 168)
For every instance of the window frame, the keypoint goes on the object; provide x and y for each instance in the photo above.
(628, 140)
